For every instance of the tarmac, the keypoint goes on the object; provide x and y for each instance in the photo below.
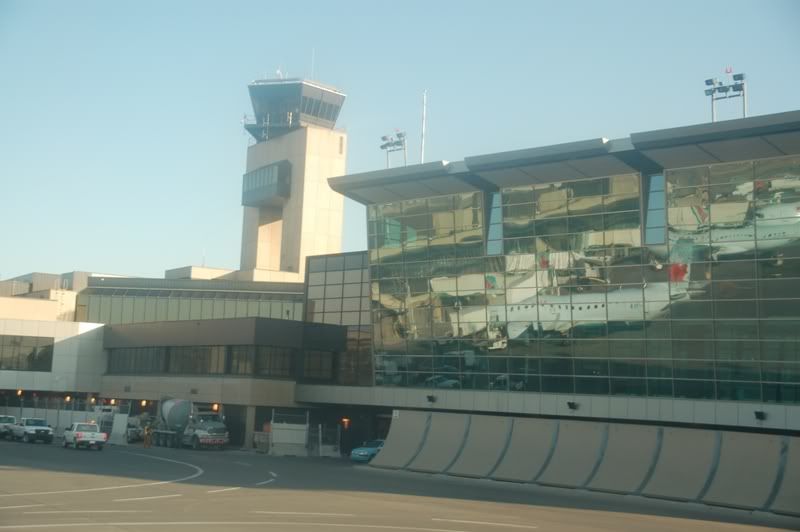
(126, 488)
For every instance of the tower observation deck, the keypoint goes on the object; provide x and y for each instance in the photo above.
(280, 105)
(290, 211)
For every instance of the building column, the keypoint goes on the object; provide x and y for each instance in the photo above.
(249, 425)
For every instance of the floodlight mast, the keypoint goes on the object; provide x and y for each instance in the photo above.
(735, 89)
(395, 142)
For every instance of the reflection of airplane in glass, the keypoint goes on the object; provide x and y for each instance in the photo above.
(788, 182)
(771, 234)
(558, 312)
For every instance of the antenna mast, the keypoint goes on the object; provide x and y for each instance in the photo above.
(424, 120)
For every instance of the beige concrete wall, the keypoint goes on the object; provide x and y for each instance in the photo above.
(261, 243)
(653, 410)
(787, 500)
(196, 272)
(270, 276)
(405, 437)
(310, 223)
(13, 287)
(24, 308)
(444, 440)
(683, 465)
(531, 441)
(577, 452)
(748, 465)
(323, 208)
(629, 455)
(222, 389)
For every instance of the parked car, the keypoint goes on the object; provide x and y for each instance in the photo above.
(367, 451)
(441, 381)
(5, 426)
(32, 429)
(84, 435)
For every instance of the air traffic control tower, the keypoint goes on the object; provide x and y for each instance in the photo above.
(290, 212)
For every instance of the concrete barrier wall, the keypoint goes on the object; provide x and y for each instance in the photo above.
(747, 470)
(723, 468)
(405, 437)
(528, 450)
(580, 448)
(631, 452)
(687, 458)
(486, 441)
(787, 499)
(445, 440)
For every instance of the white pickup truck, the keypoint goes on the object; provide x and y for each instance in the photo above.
(30, 429)
(5, 426)
(84, 435)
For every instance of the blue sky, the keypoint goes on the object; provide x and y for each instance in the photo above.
(121, 148)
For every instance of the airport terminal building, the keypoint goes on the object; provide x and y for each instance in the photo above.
(653, 279)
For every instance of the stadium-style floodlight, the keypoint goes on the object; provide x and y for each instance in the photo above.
(395, 142)
(722, 91)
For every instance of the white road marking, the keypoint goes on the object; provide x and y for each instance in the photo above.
(273, 474)
(218, 524)
(486, 523)
(20, 506)
(149, 498)
(245, 464)
(265, 482)
(88, 512)
(301, 513)
(224, 489)
(198, 471)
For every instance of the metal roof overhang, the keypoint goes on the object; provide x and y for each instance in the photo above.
(407, 182)
(757, 137)
(561, 162)
(647, 153)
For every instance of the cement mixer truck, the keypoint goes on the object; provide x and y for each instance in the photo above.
(181, 422)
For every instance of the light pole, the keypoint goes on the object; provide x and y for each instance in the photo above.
(717, 90)
(395, 142)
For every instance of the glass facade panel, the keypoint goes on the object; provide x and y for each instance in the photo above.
(26, 353)
(681, 284)
(339, 295)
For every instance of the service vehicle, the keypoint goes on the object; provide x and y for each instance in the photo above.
(84, 435)
(367, 451)
(5, 426)
(31, 430)
(134, 431)
(181, 422)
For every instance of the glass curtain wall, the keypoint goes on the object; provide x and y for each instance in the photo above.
(239, 360)
(337, 293)
(685, 284)
(118, 306)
